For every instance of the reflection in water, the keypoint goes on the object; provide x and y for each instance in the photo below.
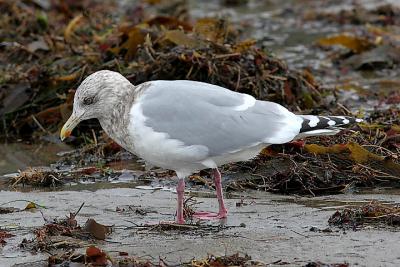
(19, 156)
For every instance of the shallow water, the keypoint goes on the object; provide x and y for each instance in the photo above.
(19, 156)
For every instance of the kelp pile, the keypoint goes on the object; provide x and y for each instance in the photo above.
(41, 63)
(50, 49)
(365, 157)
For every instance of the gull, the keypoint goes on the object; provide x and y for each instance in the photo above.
(188, 126)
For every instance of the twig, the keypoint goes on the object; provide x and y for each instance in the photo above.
(298, 233)
(344, 108)
(238, 79)
(383, 216)
(76, 213)
(381, 148)
(387, 175)
(94, 137)
(227, 55)
(275, 77)
(83, 70)
(38, 124)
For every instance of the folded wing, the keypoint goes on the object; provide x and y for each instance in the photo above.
(223, 121)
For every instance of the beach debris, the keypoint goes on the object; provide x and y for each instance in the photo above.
(96, 229)
(189, 206)
(231, 260)
(138, 210)
(5, 210)
(94, 256)
(66, 171)
(373, 214)
(373, 45)
(65, 233)
(31, 206)
(369, 51)
(172, 228)
(322, 264)
(4, 235)
(37, 177)
(355, 44)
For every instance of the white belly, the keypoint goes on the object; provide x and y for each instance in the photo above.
(242, 155)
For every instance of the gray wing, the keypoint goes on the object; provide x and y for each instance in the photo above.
(197, 113)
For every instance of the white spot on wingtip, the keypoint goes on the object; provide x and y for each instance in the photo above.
(346, 121)
(331, 123)
(359, 120)
(313, 122)
(248, 102)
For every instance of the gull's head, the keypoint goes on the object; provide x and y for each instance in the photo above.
(95, 97)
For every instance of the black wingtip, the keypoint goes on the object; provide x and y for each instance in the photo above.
(311, 123)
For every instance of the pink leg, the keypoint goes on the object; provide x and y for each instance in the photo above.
(222, 213)
(180, 189)
(218, 187)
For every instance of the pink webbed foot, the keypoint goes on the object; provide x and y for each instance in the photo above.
(205, 215)
(223, 212)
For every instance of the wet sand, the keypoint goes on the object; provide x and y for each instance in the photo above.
(272, 228)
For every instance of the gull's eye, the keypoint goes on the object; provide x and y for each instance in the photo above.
(88, 100)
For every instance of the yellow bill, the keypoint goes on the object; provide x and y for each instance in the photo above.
(71, 123)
